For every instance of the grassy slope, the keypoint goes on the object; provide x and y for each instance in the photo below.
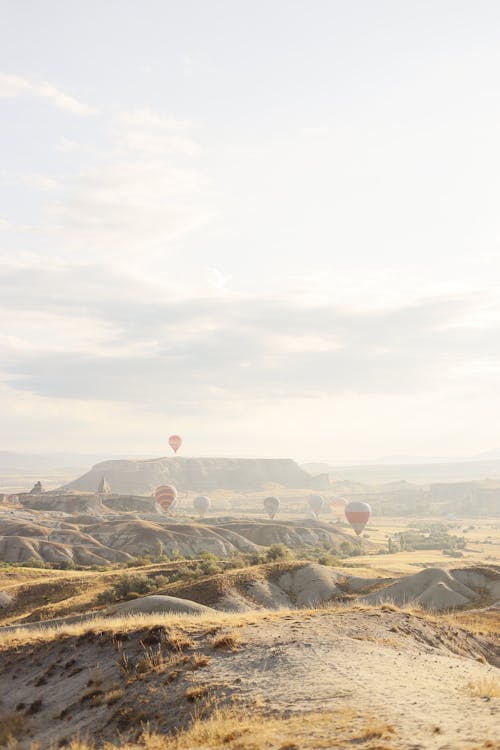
(44, 595)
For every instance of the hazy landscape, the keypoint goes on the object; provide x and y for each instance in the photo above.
(118, 619)
(249, 375)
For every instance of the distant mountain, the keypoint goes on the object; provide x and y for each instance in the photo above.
(455, 471)
(314, 468)
(488, 456)
(413, 460)
(140, 477)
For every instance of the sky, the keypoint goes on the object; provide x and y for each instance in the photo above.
(271, 226)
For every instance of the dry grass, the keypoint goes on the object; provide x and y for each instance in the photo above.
(177, 641)
(153, 659)
(479, 623)
(12, 726)
(239, 730)
(485, 687)
(198, 661)
(113, 696)
(128, 623)
(227, 641)
(196, 693)
(374, 729)
(178, 627)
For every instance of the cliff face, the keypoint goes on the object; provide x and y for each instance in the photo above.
(69, 503)
(198, 474)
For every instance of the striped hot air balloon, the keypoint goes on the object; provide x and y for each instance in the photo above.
(271, 506)
(201, 504)
(316, 504)
(175, 442)
(166, 497)
(358, 514)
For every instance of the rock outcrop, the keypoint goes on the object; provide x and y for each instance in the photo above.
(63, 503)
(441, 590)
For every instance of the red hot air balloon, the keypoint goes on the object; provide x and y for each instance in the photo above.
(175, 442)
(358, 514)
(166, 497)
(271, 506)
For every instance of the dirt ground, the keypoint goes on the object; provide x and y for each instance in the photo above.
(435, 684)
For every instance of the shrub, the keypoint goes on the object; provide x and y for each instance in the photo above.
(34, 563)
(209, 567)
(328, 560)
(278, 552)
(131, 586)
(346, 548)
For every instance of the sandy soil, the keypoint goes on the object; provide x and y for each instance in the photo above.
(399, 672)
(399, 668)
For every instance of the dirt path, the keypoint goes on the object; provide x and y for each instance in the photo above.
(358, 662)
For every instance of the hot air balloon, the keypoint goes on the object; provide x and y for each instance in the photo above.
(166, 497)
(358, 514)
(271, 506)
(175, 442)
(316, 503)
(201, 504)
(338, 506)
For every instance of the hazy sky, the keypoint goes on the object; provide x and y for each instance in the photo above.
(272, 226)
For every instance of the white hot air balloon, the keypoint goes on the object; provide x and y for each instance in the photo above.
(316, 504)
(201, 504)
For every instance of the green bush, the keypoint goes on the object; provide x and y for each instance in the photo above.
(131, 586)
(209, 568)
(329, 560)
(33, 563)
(278, 552)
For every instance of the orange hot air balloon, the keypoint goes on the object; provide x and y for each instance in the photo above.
(166, 497)
(338, 506)
(175, 442)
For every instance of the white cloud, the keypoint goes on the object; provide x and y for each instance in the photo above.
(12, 86)
(82, 340)
(148, 132)
(131, 207)
(43, 182)
(67, 146)
(125, 334)
(219, 280)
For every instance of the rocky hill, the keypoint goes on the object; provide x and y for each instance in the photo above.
(140, 477)
(89, 538)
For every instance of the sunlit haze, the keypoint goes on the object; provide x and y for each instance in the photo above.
(271, 227)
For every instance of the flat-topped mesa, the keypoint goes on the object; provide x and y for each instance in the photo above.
(199, 474)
